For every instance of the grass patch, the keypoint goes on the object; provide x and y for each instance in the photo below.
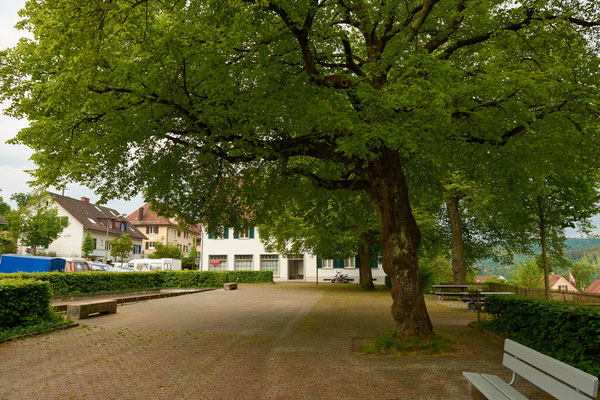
(388, 343)
(51, 321)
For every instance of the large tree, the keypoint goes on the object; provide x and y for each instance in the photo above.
(174, 96)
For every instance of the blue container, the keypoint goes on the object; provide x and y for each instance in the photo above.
(25, 263)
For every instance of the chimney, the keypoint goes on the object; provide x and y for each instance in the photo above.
(141, 214)
(85, 200)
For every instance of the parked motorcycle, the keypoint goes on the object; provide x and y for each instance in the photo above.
(339, 277)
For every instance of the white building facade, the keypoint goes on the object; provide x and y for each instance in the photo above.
(243, 251)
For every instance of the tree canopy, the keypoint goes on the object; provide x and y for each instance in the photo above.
(177, 97)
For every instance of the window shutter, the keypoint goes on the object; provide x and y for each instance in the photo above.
(319, 262)
(252, 233)
(211, 235)
(225, 233)
(147, 245)
(356, 265)
(236, 234)
(373, 263)
(147, 229)
(338, 263)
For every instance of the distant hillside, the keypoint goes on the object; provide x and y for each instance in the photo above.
(576, 249)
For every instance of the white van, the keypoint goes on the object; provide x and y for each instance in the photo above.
(155, 264)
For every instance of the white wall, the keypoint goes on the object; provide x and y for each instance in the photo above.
(232, 247)
(69, 242)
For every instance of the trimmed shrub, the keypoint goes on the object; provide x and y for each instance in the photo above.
(251, 276)
(23, 301)
(565, 331)
(97, 281)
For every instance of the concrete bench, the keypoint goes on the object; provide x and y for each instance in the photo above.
(230, 286)
(555, 377)
(84, 310)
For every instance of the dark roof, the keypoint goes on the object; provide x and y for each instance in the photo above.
(95, 217)
(150, 218)
(594, 287)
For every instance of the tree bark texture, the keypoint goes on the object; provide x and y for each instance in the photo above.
(542, 222)
(364, 266)
(459, 266)
(400, 238)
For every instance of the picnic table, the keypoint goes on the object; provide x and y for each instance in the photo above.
(450, 290)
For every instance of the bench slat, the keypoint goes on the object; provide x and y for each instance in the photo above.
(504, 387)
(542, 380)
(485, 387)
(581, 380)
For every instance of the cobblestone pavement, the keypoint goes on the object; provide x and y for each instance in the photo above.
(284, 341)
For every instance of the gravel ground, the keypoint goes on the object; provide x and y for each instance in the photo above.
(283, 341)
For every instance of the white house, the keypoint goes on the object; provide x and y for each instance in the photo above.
(243, 251)
(104, 224)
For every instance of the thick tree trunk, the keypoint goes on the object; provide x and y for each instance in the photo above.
(400, 238)
(459, 266)
(364, 266)
(542, 221)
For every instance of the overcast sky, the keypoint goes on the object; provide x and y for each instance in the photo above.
(14, 160)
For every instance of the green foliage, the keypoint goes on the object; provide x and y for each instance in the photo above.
(7, 246)
(582, 272)
(23, 301)
(22, 199)
(39, 325)
(388, 343)
(4, 207)
(98, 281)
(529, 274)
(567, 332)
(162, 250)
(121, 247)
(189, 262)
(87, 247)
(37, 224)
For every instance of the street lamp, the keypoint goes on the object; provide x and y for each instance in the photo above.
(106, 241)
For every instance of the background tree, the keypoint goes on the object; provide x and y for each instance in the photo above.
(4, 207)
(528, 274)
(37, 224)
(22, 199)
(7, 246)
(189, 262)
(87, 247)
(354, 96)
(121, 247)
(582, 272)
(162, 250)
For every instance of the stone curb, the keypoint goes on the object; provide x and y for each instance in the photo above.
(487, 332)
(43, 331)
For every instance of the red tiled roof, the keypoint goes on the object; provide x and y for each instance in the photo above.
(554, 278)
(149, 217)
(95, 217)
(483, 278)
(594, 287)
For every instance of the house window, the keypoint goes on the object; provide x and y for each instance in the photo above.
(107, 245)
(243, 234)
(95, 242)
(217, 263)
(350, 262)
(178, 234)
(186, 235)
(243, 263)
(562, 288)
(270, 262)
(185, 249)
(150, 245)
(152, 229)
(327, 263)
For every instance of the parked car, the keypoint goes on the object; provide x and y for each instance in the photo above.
(77, 265)
(155, 264)
(101, 267)
(25, 263)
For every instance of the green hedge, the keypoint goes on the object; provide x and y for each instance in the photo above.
(565, 331)
(96, 281)
(23, 301)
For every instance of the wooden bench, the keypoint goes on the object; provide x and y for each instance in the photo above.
(84, 310)
(230, 286)
(560, 380)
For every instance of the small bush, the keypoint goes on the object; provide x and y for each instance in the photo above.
(22, 301)
(565, 331)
